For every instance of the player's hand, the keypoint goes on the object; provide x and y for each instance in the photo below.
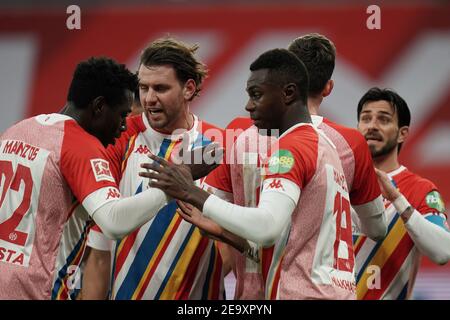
(175, 180)
(387, 188)
(192, 215)
(202, 160)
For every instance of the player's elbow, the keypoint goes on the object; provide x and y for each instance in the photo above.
(440, 259)
(112, 231)
(375, 227)
(267, 236)
(378, 233)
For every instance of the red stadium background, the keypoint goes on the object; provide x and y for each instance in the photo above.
(410, 53)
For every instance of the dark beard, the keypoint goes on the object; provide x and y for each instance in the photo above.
(385, 150)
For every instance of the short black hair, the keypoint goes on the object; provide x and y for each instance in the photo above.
(284, 67)
(100, 76)
(318, 53)
(398, 104)
(179, 55)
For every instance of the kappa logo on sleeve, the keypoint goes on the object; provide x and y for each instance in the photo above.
(101, 170)
(113, 193)
(434, 200)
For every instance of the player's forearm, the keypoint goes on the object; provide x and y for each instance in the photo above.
(372, 219)
(119, 218)
(197, 197)
(262, 225)
(431, 239)
(240, 244)
(96, 275)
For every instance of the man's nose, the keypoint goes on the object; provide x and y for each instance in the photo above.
(250, 107)
(150, 97)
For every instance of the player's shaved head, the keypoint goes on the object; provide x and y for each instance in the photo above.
(284, 67)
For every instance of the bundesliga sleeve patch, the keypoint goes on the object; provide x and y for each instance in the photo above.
(281, 161)
(101, 170)
(434, 200)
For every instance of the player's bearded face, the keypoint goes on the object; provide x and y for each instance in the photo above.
(379, 125)
(378, 150)
(162, 97)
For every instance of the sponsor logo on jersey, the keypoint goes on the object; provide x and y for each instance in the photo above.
(281, 162)
(434, 200)
(101, 170)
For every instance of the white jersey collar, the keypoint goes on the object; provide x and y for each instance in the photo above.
(396, 172)
(52, 118)
(316, 120)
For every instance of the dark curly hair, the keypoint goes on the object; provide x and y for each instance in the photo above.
(100, 76)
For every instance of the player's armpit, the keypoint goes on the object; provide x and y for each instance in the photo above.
(95, 285)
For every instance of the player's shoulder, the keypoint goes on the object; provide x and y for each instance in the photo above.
(240, 123)
(303, 132)
(414, 181)
(420, 192)
(204, 126)
(413, 186)
(135, 124)
(79, 143)
(353, 137)
(302, 140)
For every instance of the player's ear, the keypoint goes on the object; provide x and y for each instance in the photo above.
(189, 89)
(290, 92)
(98, 105)
(328, 88)
(403, 133)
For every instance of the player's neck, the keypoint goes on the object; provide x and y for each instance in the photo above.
(387, 163)
(314, 104)
(295, 115)
(71, 111)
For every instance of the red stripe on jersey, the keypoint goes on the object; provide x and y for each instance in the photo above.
(215, 290)
(188, 281)
(360, 244)
(130, 148)
(123, 254)
(391, 267)
(276, 281)
(266, 260)
(159, 257)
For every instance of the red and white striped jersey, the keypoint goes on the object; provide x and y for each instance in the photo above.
(166, 258)
(387, 269)
(240, 176)
(48, 166)
(313, 258)
(231, 177)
